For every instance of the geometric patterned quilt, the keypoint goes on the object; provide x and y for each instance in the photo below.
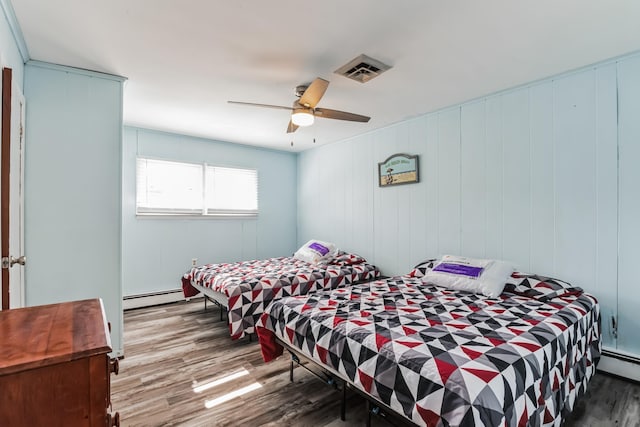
(445, 358)
(251, 285)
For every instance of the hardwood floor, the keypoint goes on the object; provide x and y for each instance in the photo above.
(170, 350)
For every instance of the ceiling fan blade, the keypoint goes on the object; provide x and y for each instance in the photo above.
(314, 92)
(340, 115)
(252, 104)
(291, 127)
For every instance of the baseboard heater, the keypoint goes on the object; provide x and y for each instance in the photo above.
(620, 364)
(153, 298)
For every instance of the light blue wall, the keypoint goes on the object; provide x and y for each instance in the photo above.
(10, 55)
(529, 175)
(73, 188)
(158, 251)
(629, 204)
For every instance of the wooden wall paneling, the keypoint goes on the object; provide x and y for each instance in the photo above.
(473, 180)
(516, 179)
(575, 201)
(449, 181)
(348, 238)
(305, 195)
(327, 197)
(309, 202)
(605, 287)
(629, 205)
(364, 181)
(278, 187)
(385, 207)
(494, 176)
(319, 226)
(319, 205)
(431, 173)
(336, 193)
(418, 239)
(405, 194)
(542, 179)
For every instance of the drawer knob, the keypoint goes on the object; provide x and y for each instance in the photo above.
(114, 366)
(113, 420)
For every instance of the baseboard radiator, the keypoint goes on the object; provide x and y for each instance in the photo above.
(154, 298)
(621, 364)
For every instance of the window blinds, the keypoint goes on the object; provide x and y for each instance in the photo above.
(175, 188)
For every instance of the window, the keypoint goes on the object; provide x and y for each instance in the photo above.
(175, 188)
(231, 191)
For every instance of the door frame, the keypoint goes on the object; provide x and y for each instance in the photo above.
(5, 162)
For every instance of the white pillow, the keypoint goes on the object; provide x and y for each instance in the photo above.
(316, 251)
(479, 276)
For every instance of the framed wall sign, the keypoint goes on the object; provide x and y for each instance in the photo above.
(398, 169)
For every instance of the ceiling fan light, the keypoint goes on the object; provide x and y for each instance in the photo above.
(302, 117)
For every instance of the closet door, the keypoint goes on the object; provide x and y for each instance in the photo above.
(629, 206)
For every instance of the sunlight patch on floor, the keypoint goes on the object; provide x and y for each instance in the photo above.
(231, 395)
(199, 388)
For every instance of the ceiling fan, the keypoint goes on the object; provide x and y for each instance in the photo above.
(304, 109)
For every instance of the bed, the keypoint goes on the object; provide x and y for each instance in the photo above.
(443, 357)
(244, 289)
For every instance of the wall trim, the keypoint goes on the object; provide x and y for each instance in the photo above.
(154, 298)
(82, 71)
(204, 139)
(15, 29)
(620, 364)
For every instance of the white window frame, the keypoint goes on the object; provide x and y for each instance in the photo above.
(204, 210)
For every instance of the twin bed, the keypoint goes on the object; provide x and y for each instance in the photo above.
(439, 356)
(244, 289)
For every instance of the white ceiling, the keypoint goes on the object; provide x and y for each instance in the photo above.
(185, 59)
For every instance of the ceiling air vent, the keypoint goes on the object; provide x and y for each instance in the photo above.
(362, 69)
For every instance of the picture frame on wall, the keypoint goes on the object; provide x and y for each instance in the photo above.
(398, 169)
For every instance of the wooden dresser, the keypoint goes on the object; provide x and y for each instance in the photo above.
(54, 366)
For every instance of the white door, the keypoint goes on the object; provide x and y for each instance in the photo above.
(16, 199)
(11, 210)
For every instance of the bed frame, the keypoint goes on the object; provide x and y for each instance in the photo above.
(215, 297)
(334, 379)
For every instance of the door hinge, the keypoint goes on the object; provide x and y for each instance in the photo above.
(9, 261)
(614, 327)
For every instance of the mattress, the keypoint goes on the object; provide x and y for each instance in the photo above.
(250, 286)
(439, 357)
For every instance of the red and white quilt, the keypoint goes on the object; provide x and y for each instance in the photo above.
(445, 358)
(251, 285)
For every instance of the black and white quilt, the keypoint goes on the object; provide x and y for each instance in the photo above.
(250, 286)
(445, 358)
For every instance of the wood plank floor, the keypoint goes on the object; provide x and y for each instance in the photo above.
(171, 349)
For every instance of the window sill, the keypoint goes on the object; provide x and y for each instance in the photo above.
(194, 216)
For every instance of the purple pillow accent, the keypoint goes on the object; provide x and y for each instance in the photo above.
(322, 250)
(459, 269)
